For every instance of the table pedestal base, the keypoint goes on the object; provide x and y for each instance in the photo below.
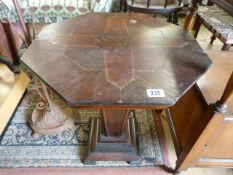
(112, 145)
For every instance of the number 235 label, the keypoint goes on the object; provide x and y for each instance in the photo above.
(155, 93)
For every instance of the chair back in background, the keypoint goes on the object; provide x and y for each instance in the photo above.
(12, 37)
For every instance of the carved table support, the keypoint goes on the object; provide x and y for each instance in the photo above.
(113, 137)
(190, 17)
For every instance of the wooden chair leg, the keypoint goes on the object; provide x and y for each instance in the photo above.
(169, 18)
(197, 25)
(123, 6)
(226, 47)
(210, 3)
(175, 18)
(212, 39)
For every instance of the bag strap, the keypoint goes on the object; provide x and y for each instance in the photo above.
(44, 94)
(37, 89)
(47, 97)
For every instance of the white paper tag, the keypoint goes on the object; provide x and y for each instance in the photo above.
(155, 93)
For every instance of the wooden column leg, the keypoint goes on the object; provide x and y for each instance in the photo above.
(113, 137)
(226, 47)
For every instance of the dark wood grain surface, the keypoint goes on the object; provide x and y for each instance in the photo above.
(112, 59)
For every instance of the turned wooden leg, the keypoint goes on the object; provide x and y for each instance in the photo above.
(113, 137)
(226, 47)
(190, 18)
(212, 39)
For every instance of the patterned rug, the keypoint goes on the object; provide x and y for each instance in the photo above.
(69, 148)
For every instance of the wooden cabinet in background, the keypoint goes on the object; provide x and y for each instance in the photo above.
(203, 128)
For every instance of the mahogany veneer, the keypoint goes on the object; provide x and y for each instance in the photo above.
(107, 62)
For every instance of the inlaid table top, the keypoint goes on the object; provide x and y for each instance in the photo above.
(105, 59)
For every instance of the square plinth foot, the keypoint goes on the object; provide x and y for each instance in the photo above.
(104, 148)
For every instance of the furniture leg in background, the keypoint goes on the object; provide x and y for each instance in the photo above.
(190, 18)
(168, 8)
(217, 19)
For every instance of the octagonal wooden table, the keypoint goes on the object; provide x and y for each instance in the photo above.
(116, 63)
